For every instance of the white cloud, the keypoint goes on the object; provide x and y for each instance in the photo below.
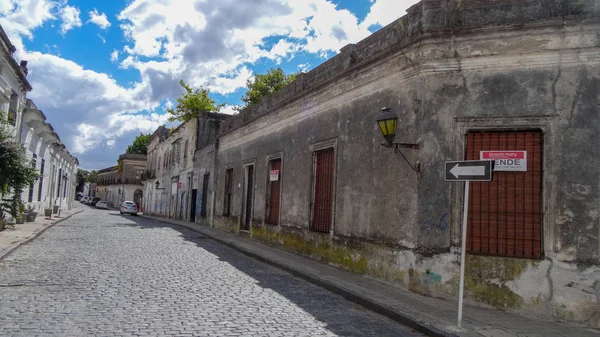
(114, 56)
(384, 12)
(99, 19)
(102, 38)
(208, 42)
(70, 18)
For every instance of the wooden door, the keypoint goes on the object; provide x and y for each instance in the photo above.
(274, 192)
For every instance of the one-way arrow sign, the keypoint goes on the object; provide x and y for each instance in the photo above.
(469, 170)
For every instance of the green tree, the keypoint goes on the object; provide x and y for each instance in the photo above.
(93, 176)
(192, 103)
(263, 85)
(139, 145)
(16, 172)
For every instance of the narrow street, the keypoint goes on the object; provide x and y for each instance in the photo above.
(100, 273)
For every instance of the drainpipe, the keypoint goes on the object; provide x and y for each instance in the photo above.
(214, 184)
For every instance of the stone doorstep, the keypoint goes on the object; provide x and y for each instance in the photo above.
(431, 316)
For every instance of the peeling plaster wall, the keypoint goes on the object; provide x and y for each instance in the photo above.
(404, 227)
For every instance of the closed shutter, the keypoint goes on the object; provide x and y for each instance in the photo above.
(323, 190)
(505, 215)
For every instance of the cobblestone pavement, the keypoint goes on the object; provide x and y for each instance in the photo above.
(100, 273)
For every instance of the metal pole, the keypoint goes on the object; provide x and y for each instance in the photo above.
(463, 253)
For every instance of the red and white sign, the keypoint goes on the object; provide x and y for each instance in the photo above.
(515, 161)
(274, 176)
(180, 185)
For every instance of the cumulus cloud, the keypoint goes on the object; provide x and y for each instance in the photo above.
(70, 18)
(209, 42)
(99, 19)
(114, 56)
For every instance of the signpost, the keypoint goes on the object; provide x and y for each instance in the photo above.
(469, 170)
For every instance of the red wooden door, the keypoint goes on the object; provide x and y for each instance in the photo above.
(323, 190)
(274, 192)
(505, 215)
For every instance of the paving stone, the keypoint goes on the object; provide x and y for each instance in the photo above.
(99, 273)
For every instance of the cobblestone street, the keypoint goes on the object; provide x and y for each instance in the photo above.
(99, 273)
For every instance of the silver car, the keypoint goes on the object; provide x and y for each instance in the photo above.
(128, 207)
(101, 204)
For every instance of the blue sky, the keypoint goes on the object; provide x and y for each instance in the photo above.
(105, 71)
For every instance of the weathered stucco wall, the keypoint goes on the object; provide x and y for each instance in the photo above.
(445, 69)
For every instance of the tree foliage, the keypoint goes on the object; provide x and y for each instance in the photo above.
(16, 172)
(139, 145)
(192, 103)
(263, 85)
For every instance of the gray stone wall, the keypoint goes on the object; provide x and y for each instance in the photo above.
(445, 68)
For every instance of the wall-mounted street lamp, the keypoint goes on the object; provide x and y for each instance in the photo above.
(387, 121)
(157, 184)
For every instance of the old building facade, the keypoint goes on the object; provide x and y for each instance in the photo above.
(122, 182)
(305, 169)
(57, 168)
(170, 164)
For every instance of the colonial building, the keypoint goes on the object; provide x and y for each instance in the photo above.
(13, 85)
(122, 182)
(57, 168)
(171, 169)
(177, 180)
(305, 168)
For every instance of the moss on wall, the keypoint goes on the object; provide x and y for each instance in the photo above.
(486, 277)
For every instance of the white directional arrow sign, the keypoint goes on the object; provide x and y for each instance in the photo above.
(470, 170)
(458, 171)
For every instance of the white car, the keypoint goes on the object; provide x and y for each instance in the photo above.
(101, 204)
(128, 207)
(83, 200)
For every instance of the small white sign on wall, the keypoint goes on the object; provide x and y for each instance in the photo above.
(274, 176)
(515, 161)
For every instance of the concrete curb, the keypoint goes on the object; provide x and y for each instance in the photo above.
(16, 246)
(348, 294)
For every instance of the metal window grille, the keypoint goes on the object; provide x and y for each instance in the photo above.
(41, 180)
(505, 215)
(322, 210)
(228, 192)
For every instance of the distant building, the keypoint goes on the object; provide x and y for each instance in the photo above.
(122, 182)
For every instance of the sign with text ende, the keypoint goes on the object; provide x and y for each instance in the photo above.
(515, 161)
(469, 170)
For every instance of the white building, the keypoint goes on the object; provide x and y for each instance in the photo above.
(57, 168)
(122, 183)
(170, 172)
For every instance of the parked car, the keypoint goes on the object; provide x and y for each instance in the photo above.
(102, 204)
(128, 207)
(94, 201)
(83, 199)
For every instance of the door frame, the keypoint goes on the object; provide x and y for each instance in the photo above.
(243, 220)
(269, 158)
(322, 145)
(550, 155)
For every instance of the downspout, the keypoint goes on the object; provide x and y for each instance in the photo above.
(214, 183)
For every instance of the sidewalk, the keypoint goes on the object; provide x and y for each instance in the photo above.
(432, 316)
(11, 239)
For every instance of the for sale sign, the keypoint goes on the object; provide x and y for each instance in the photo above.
(274, 176)
(515, 161)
